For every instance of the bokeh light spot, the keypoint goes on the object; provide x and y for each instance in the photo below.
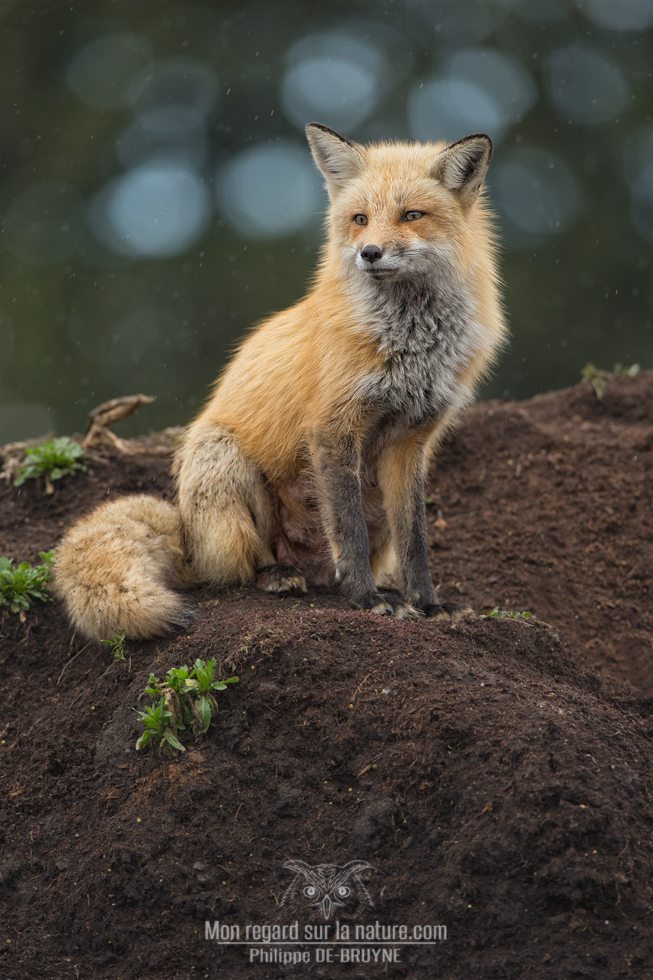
(500, 76)
(538, 195)
(451, 108)
(330, 89)
(620, 15)
(174, 92)
(585, 85)
(269, 191)
(100, 72)
(158, 209)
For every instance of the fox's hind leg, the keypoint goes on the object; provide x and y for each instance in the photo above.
(226, 508)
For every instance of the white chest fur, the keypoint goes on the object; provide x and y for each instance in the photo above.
(426, 332)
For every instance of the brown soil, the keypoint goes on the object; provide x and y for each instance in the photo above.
(496, 773)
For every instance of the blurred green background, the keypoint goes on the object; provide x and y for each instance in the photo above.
(157, 196)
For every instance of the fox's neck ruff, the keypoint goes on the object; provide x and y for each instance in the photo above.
(410, 315)
(426, 331)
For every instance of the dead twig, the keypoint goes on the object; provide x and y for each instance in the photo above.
(107, 414)
(68, 662)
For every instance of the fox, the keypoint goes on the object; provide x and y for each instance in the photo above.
(307, 464)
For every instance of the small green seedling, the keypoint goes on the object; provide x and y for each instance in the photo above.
(116, 644)
(184, 700)
(23, 584)
(598, 378)
(157, 721)
(51, 460)
(202, 684)
(498, 613)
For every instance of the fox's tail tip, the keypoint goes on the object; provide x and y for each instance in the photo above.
(156, 612)
(184, 618)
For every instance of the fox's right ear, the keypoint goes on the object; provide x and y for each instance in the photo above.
(337, 158)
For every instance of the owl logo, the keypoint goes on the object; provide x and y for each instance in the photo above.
(328, 888)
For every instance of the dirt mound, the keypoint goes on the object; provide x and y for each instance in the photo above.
(495, 774)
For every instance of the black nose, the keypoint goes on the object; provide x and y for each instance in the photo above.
(371, 253)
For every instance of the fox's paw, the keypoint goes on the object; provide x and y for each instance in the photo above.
(448, 612)
(281, 579)
(389, 604)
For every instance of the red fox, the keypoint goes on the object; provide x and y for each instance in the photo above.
(307, 464)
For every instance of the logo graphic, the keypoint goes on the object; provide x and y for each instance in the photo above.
(328, 888)
(316, 926)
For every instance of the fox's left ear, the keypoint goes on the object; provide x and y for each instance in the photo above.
(462, 166)
(338, 158)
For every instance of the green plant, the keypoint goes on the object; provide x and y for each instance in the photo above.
(498, 613)
(184, 700)
(23, 584)
(598, 377)
(116, 644)
(157, 721)
(52, 460)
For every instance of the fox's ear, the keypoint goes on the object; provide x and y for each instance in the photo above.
(337, 158)
(462, 166)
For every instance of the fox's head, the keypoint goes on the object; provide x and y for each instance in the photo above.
(398, 209)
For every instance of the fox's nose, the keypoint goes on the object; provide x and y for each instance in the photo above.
(371, 253)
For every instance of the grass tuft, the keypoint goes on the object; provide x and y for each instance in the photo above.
(116, 644)
(598, 377)
(51, 460)
(23, 584)
(497, 613)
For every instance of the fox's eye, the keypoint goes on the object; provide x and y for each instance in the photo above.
(360, 219)
(413, 215)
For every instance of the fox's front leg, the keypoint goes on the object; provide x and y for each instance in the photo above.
(336, 464)
(401, 475)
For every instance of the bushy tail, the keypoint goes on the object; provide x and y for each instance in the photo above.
(116, 569)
